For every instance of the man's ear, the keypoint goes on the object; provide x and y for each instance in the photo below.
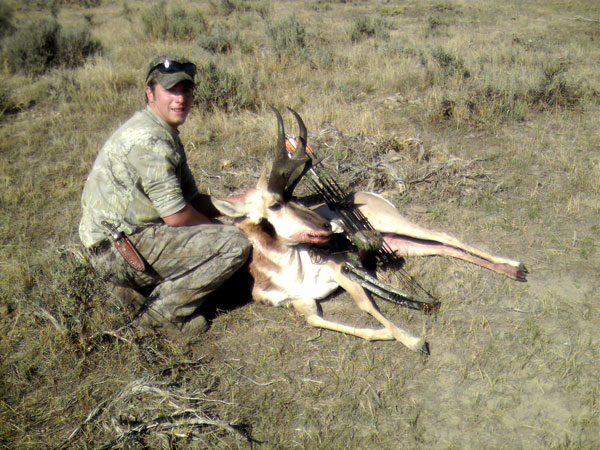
(149, 94)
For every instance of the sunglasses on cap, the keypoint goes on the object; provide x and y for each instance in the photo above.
(169, 66)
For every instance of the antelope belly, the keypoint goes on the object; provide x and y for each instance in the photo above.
(301, 279)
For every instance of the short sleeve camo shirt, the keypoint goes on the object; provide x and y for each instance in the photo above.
(140, 175)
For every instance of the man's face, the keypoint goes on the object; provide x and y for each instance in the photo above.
(172, 105)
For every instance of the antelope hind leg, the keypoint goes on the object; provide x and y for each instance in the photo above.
(386, 218)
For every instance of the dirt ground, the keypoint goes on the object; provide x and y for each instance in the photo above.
(512, 365)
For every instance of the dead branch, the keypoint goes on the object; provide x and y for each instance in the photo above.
(586, 19)
(446, 169)
(182, 419)
(43, 313)
(146, 405)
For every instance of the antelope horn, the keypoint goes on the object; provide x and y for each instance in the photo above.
(280, 153)
(300, 156)
(300, 152)
(286, 172)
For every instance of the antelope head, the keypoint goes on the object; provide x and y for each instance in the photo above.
(270, 202)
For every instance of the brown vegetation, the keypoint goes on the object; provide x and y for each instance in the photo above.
(480, 118)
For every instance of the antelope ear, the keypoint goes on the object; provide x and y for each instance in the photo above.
(262, 181)
(231, 208)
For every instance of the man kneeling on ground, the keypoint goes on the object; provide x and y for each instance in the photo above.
(140, 188)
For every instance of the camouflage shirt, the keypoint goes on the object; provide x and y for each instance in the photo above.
(140, 175)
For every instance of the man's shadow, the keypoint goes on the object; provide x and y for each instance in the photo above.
(234, 293)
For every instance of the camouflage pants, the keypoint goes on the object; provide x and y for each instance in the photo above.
(187, 263)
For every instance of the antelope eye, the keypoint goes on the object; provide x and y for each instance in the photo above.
(275, 207)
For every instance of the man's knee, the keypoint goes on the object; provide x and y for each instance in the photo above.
(212, 255)
(232, 246)
(240, 243)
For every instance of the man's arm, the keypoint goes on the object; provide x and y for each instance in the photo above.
(204, 205)
(186, 217)
(197, 211)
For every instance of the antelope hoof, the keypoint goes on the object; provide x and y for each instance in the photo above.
(420, 346)
(517, 273)
(521, 273)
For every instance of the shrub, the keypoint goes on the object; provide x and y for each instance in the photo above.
(54, 4)
(263, 9)
(75, 45)
(175, 24)
(287, 36)
(362, 28)
(393, 11)
(5, 100)
(216, 88)
(227, 7)
(494, 103)
(450, 64)
(71, 291)
(434, 23)
(6, 14)
(33, 48)
(219, 40)
(84, 3)
(42, 44)
(366, 27)
(552, 90)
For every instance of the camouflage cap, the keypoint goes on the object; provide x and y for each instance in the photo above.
(168, 70)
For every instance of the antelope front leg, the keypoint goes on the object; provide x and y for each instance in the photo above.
(365, 302)
(311, 312)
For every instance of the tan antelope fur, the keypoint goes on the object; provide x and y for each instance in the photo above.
(287, 271)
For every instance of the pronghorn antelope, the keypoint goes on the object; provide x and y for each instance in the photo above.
(286, 271)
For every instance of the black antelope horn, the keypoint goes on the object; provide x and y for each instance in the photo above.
(280, 151)
(300, 152)
(286, 172)
(299, 155)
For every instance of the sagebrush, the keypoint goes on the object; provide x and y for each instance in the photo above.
(41, 45)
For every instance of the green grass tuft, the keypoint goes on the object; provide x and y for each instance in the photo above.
(173, 23)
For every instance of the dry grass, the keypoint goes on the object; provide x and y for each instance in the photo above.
(480, 118)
